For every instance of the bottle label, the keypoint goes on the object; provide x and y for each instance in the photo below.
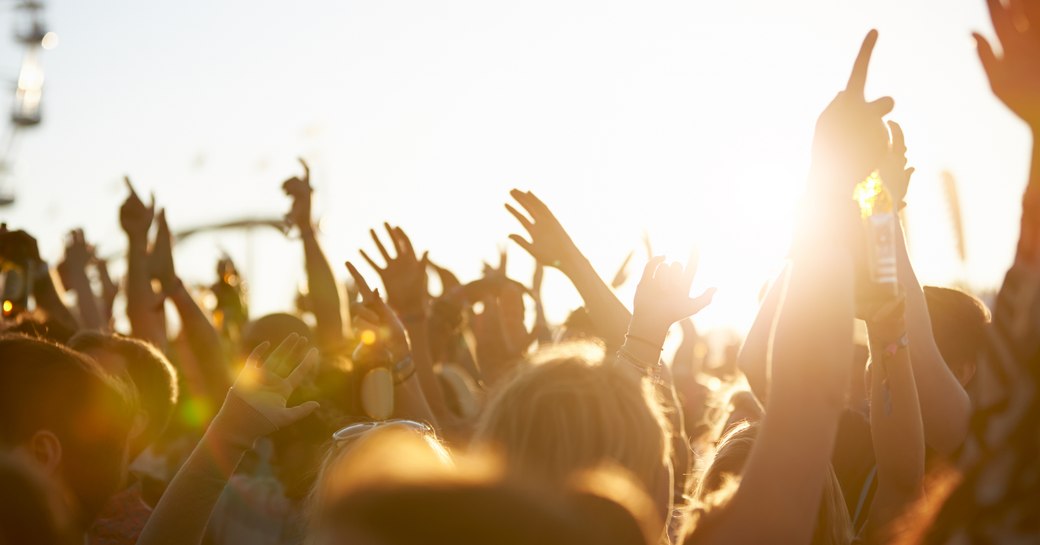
(881, 247)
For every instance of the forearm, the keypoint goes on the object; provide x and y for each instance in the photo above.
(203, 340)
(609, 315)
(90, 313)
(45, 293)
(897, 432)
(945, 406)
(418, 334)
(784, 477)
(411, 402)
(323, 294)
(143, 308)
(754, 353)
(183, 512)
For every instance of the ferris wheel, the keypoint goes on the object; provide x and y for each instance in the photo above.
(31, 33)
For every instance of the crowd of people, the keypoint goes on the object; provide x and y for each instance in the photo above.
(394, 415)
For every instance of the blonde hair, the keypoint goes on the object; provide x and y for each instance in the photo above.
(564, 411)
(722, 479)
(336, 474)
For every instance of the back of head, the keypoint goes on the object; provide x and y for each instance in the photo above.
(959, 324)
(47, 388)
(566, 412)
(399, 493)
(476, 514)
(38, 326)
(272, 328)
(153, 376)
(722, 478)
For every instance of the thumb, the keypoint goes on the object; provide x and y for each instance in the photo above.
(294, 414)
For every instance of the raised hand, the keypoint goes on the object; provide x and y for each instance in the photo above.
(893, 166)
(77, 256)
(851, 138)
(404, 275)
(388, 327)
(109, 288)
(663, 298)
(266, 383)
(300, 190)
(1015, 75)
(449, 282)
(18, 247)
(550, 244)
(160, 260)
(134, 216)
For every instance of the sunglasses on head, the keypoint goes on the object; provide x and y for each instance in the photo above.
(355, 430)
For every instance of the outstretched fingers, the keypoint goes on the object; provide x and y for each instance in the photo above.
(527, 246)
(305, 369)
(524, 222)
(379, 245)
(359, 281)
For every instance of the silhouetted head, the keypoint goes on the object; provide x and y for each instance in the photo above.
(722, 479)
(60, 411)
(272, 328)
(959, 324)
(151, 373)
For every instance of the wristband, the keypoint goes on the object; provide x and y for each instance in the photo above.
(403, 370)
(651, 371)
(892, 348)
(647, 342)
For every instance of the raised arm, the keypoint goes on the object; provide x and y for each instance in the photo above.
(550, 244)
(896, 426)
(811, 344)
(254, 407)
(73, 272)
(945, 406)
(19, 248)
(409, 399)
(202, 337)
(322, 290)
(407, 293)
(144, 308)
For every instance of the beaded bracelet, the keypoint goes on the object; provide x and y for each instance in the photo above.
(403, 370)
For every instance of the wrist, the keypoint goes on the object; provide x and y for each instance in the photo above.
(171, 284)
(647, 333)
(137, 246)
(572, 262)
(885, 333)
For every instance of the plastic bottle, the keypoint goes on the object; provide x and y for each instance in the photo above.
(879, 221)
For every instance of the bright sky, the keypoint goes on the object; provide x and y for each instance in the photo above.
(688, 120)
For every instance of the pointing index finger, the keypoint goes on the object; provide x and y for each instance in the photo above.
(130, 186)
(858, 78)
